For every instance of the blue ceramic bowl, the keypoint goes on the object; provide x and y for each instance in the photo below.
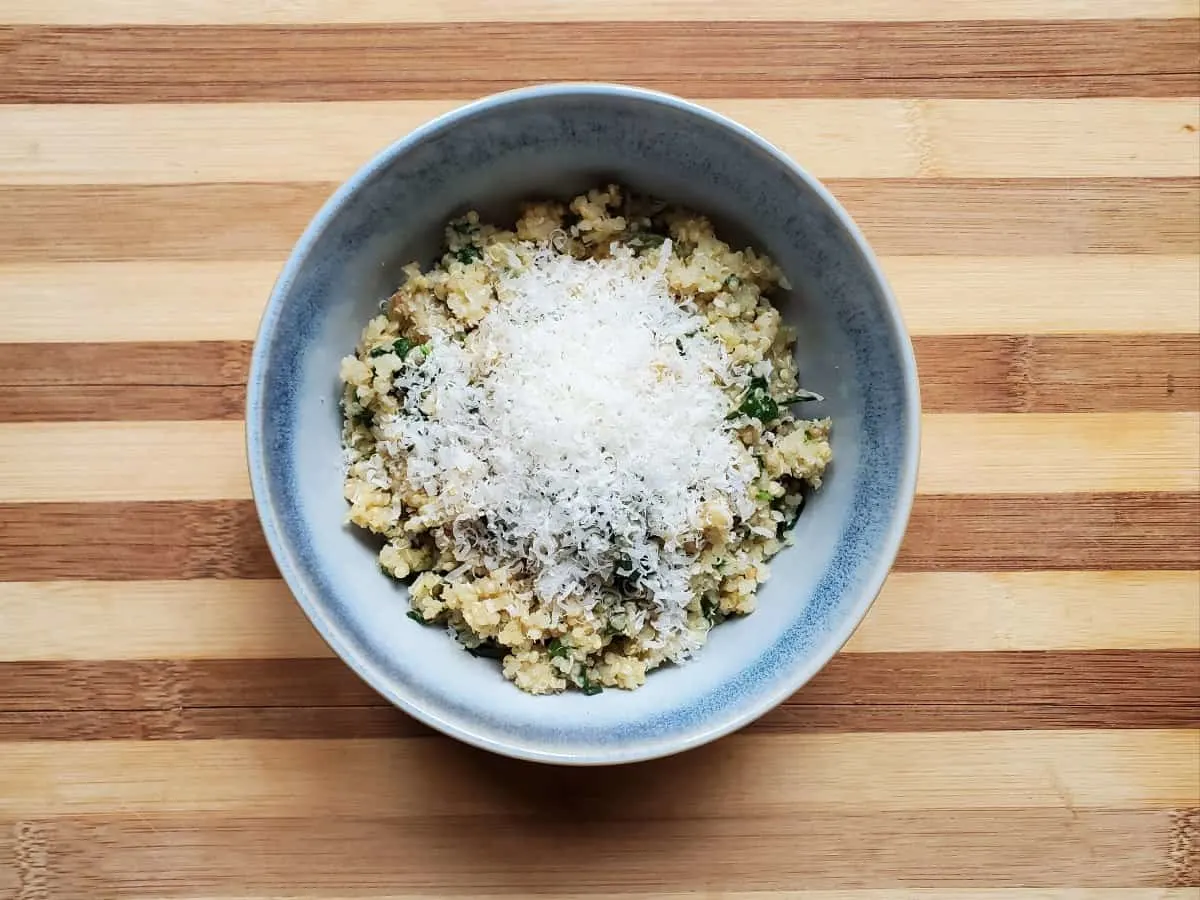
(554, 141)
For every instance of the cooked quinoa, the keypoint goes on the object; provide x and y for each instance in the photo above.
(577, 437)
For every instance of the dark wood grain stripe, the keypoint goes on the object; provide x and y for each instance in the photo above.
(149, 402)
(363, 722)
(1115, 679)
(901, 216)
(222, 539)
(134, 364)
(614, 844)
(132, 541)
(729, 59)
(1064, 531)
(959, 374)
(323, 699)
(123, 381)
(211, 723)
(1058, 374)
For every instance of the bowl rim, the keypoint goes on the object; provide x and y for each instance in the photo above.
(314, 607)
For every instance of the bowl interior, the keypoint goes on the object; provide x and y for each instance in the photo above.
(553, 142)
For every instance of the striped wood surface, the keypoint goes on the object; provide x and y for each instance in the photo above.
(1017, 719)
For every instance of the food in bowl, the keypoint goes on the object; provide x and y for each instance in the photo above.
(491, 156)
(576, 437)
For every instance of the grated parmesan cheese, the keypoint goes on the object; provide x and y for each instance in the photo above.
(579, 434)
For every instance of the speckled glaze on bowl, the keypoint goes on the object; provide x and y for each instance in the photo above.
(552, 141)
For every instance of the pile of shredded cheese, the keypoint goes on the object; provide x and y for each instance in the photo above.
(578, 434)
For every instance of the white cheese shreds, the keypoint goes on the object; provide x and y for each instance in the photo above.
(579, 433)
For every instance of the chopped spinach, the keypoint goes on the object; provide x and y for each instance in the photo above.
(462, 226)
(626, 579)
(468, 254)
(400, 347)
(417, 617)
(489, 650)
(788, 524)
(645, 240)
(588, 687)
(710, 608)
(802, 396)
(558, 650)
(757, 403)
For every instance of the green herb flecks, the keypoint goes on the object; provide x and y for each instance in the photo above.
(762, 495)
(757, 403)
(489, 650)
(417, 617)
(558, 650)
(626, 578)
(468, 254)
(644, 241)
(400, 347)
(587, 686)
(802, 396)
(710, 608)
(793, 517)
(732, 283)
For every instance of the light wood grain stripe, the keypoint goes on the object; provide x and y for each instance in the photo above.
(982, 453)
(231, 619)
(257, 142)
(123, 461)
(1047, 295)
(943, 295)
(916, 612)
(899, 216)
(48, 462)
(872, 773)
(175, 855)
(971, 373)
(878, 692)
(296, 12)
(222, 539)
(814, 59)
(980, 611)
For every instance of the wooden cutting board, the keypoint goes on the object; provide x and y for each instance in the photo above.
(1018, 717)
